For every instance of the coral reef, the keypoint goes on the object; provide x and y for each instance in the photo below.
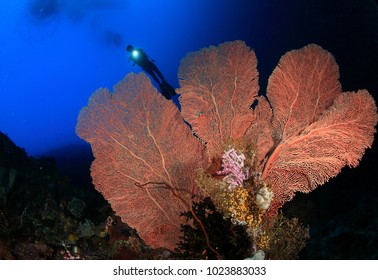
(302, 133)
(43, 216)
(231, 240)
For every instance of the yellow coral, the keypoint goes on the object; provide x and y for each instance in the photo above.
(263, 241)
(239, 204)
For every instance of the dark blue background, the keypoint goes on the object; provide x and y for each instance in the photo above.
(55, 53)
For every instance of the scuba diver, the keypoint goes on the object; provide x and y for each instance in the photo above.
(139, 57)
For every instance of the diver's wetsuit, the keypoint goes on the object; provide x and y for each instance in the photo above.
(141, 59)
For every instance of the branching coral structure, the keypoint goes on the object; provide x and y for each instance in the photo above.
(138, 137)
(311, 130)
(147, 160)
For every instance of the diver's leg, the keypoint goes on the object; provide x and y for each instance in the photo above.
(164, 92)
(157, 71)
(167, 88)
(162, 87)
(152, 74)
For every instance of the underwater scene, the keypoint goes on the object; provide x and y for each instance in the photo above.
(188, 130)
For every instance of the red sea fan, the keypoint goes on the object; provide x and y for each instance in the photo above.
(317, 129)
(311, 130)
(138, 137)
(146, 157)
(218, 85)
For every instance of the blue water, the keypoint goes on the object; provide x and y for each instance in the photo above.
(55, 53)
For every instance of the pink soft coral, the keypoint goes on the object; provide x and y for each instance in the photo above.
(233, 168)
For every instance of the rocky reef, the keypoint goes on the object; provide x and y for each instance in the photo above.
(44, 214)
